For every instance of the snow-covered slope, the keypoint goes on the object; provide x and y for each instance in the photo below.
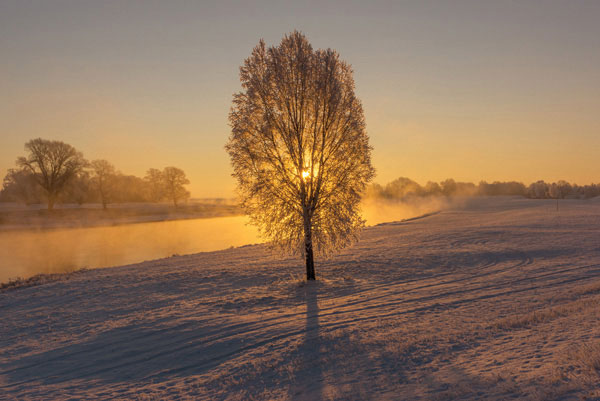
(498, 299)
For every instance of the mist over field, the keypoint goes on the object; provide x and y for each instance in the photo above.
(71, 239)
(26, 252)
(380, 210)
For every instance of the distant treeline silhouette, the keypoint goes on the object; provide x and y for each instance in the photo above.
(405, 187)
(54, 171)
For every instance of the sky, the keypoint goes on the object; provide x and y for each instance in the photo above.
(471, 90)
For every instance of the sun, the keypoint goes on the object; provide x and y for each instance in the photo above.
(305, 174)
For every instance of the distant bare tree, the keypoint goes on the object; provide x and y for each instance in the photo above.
(401, 187)
(104, 180)
(20, 185)
(129, 188)
(433, 188)
(156, 185)
(564, 188)
(79, 189)
(448, 186)
(538, 190)
(53, 164)
(298, 147)
(174, 180)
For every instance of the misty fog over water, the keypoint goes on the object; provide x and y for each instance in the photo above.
(30, 252)
(25, 253)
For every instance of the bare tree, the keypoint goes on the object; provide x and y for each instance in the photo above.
(174, 180)
(79, 189)
(129, 188)
(53, 164)
(20, 185)
(299, 148)
(104, 180)
(155, 182)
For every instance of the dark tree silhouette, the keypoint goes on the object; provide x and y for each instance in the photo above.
(20, 185)
(104, 180)
(298, 147)
(53, 164)
(156, 186)
(174, 179)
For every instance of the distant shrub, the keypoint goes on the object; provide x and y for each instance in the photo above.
(403, 187)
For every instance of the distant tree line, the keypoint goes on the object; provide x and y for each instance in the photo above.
(55, 172)
(404, 187)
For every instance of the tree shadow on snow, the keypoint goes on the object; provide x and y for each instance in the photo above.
(132, 353)
(309, 373)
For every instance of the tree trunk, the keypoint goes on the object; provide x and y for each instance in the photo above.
(308, 252)
(50, 202)
(310, 264)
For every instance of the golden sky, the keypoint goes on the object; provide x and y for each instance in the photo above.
(471, 90)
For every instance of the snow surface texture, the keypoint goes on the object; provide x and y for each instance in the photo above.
(496, 300)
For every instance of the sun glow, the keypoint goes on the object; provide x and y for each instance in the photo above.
(305, 174)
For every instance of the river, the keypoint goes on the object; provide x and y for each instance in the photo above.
(27, 253)
(30, 252)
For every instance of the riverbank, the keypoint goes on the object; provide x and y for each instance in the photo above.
(21, 217)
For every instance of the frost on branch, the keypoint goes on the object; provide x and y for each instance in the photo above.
(299, 148)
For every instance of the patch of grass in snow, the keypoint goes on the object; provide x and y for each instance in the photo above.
(148, 397)
(589, 355)
(288, 283)
(580, 368)
(590, 289)
(295, 281)
(544, 315)
(528, 319)
(39, 279)
(456, 391)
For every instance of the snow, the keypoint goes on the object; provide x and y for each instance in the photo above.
(495, 299)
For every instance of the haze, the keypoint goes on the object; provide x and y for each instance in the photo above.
(495, 91)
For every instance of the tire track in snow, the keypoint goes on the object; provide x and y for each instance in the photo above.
(278, 320)
(392, 291)
(330, 326)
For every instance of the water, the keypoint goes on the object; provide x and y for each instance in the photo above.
(30, 252)
(27, 253)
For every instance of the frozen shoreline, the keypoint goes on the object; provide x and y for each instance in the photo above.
(22, 218)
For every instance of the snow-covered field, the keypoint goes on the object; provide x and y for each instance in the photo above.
(499, 299)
